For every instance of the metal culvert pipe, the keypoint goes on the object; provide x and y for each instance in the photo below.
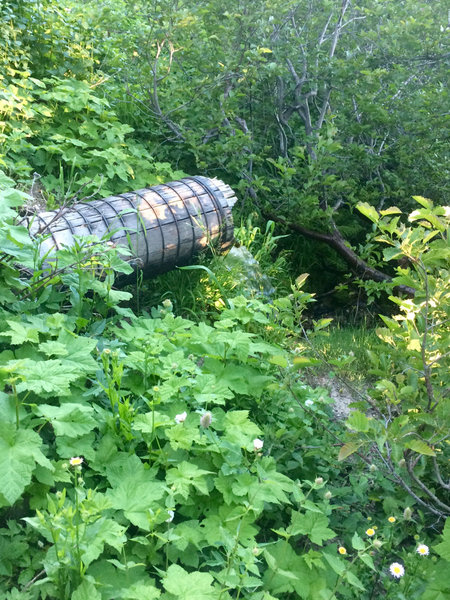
(164, 225)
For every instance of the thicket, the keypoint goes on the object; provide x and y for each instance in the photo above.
(162, 441)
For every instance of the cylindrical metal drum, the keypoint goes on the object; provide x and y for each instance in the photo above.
(164, 226)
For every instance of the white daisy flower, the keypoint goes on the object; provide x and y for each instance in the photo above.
(397, 570)
(423, 550)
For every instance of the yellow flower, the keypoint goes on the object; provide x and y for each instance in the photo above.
(342, 550)
(75, 461)
(370, 532)
(392, 519)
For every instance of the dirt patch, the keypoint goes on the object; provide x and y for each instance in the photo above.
(342, 395)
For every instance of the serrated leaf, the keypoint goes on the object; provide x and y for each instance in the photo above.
(86, 591)
(136, 492)
(79, 353)
(347, 450)
(368, 560)
(71, 419)
(420, 446)
(443, 548)
(45, 377)
(21, 333)
(18, 451)
(337, 564)
(189, 586)
(314, 525)
(358, 421)
(357, 542)
(354, 581)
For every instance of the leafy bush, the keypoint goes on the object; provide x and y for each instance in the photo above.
(159, 457)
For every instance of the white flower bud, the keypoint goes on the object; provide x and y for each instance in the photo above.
(205, 420)
(258, 444)
(181, 418)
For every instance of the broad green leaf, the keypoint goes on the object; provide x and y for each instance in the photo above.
(21, 333)
(368, 560)
(348, 449)
(189, 586)
(420, 446)
(45, 377)
(443, 548)
(392, 210)
(79, 353)
(19, 450)
(354, 581)
(368, 211)
(86, 591)
(357, 542)
(71, 419)
(314, 525)
(97, 534)
(358, 421)
(337, 564)
(287, 572)
(425, 202)
(280, 361)
(304, 361)
(135, 491)
(185, 475)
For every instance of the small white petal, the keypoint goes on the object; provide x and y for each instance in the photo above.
(181, 418)
(397, 570)
(258, 444)
(423, 550)
(171, 516)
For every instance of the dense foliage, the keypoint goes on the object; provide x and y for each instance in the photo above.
(169, 440)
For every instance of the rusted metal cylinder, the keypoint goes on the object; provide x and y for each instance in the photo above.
(164, 226)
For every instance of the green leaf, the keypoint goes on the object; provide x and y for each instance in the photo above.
(189, 586)
(357, 542)
(79, 353)
(443, 548)
(185, 475)
(354, 581)
(314, 525)
(280, 361)
(71, 419)
(21, 333)
(45, 377)
(347, 450)
(135, 491)
(337, 564)
(392, 210)
(19, 450)
(368, 560)
(368, 211)
(86, 591)
(305, 361)
(358, 421)
(428, 204)
(420, 446)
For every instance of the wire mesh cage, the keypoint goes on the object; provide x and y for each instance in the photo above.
(164, 226)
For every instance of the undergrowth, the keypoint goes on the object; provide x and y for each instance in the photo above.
(145, 454)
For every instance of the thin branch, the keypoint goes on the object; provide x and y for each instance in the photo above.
(424, 488)
(437, 471)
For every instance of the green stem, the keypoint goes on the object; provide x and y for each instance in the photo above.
(77, 525)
